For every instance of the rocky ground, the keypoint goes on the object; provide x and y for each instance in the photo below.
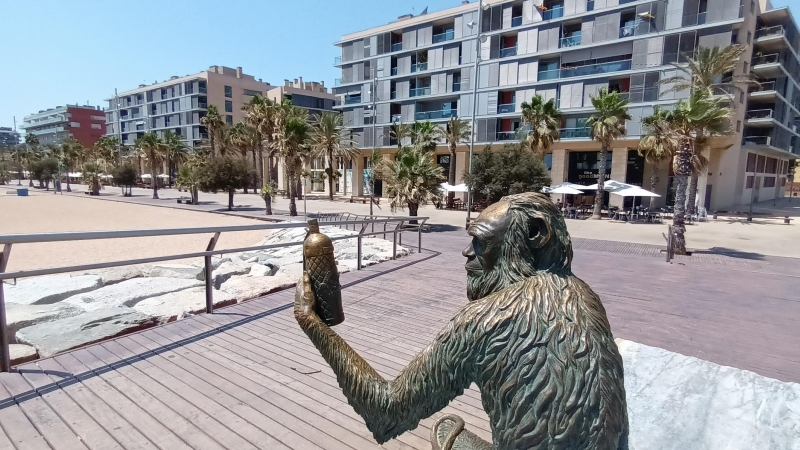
(51, 314)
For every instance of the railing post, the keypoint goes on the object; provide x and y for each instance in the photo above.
(419, 236)
(358, 252)
(5, 355)
(394, 239)
(209, 286)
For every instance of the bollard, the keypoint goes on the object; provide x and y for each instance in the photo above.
(786, 220)
(209, 287)
(715, 215)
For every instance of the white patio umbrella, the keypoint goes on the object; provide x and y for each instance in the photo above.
(634, 191)
(609, 185)
(145, 176)
(564, 190)
(163, 176)
(457, 188)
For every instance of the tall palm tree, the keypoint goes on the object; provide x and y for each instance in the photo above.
(456, 132)
(412, 180)
(71, 152)
(293, 142)
(399, 131)
(245, 138)
(543, 119)
(606, 125)
(426, 135)
(176, 151)
(107, 149)
(32, 143)
(154, 149)
(329, 138)
(260, 113)
(659, 141)
(213, 122)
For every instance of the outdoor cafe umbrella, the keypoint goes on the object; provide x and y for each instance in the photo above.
(457, 188)
(564, 190)
(634, 191)
(609, 185)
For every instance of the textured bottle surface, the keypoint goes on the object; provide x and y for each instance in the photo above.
(321, 267)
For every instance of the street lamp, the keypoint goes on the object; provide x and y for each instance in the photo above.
(478, 39)
(374, 119)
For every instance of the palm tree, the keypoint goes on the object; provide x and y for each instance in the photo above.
(399, 131)
(107, 149)
(154, 149)
(176, 151)
(213, 122)
(245, 139)
(91, 176)
(607, 124)
(71, 152)
(456, 132)
(260, 113)
(293, 140)
(659, 141)
(426, 135)
(32, 142)
(412, 180)
(544, 119)
(189, 179)
(329, 138)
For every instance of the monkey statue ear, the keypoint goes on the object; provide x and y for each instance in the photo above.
(539, 232)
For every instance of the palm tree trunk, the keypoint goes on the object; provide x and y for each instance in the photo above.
(211, 140)
(601, 179)
(330, 175)
(69, 189)
(260, 163)
(154, 180)
(684, 169)
(268, 205)
(653, 181)
(255, 188)
(451, 176)
(413, 208)
(691, 195)
(292, 189)
(230, 199)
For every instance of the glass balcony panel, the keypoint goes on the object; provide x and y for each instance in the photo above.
(575, 133)
(766, 59)
(448, 35)
(759, 114)
(516, 21)
(419, 91)
(765, 86)
(627, 31)
(433, 115)
(770, 31)
(393, 95)
(509, 51)
(396, 118)
(394, 71)
(590, 5)
(701, 18)
(757, 140)
(337, 81)
(337, 60)
(397, 47)
(507, 108)
(593, 69)
(554, 12)
(421, 67)
(548, 74)
(456, 87)
(506, 135)
(570, 41)
(352, 100)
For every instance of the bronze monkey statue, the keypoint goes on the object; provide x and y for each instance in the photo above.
(534, 338)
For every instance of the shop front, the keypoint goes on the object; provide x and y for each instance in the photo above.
(583, 168)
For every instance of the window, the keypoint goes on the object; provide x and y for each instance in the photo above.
(769, 182)
(252, 93)
(98, 117)
(228, 92)
(749, 37)
(228, 106)
(751, 162)
(74, 124)
(738, 125)
(229, 120)
(760, 162)
(745, 66)
(771, 165)
(749, 182)
(741, 98)
(783, 181)
(96, 126)
(752, 6)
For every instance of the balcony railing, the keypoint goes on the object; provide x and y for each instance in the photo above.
(448, 35)
(759, 114)
(701, 18)
(394, 71)
(762, 87)
(396, 118)
(575, 133)
(337, 81)
(419, 91)
(506, 135)
(506, 108)
(549, 74)
(570, 41)
(392, 95)
(593, 69)
(352, 100)
(773, 58)
(516, 21)
(590, 5)
(202, 90)
(432, 115)
(757, 140)
(456, 87)
(337, 60)
(776, 30)
(509, 51)
(202, 105)
(419, 67)
(397, 47)
(553, 12)
(627, 31)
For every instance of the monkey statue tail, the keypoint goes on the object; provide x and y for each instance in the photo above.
(448, 433)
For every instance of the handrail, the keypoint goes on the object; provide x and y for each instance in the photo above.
(7, 242)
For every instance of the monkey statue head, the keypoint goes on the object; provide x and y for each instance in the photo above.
(513, 239)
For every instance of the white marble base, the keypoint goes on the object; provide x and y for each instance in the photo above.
(681, 402)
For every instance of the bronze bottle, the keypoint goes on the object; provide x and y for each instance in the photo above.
(321, 267)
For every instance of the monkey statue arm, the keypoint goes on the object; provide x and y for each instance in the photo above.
(432, 379)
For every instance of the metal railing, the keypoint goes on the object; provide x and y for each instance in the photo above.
(762, 87)
(759, 114)
(448, 35)
(9, 240)
(770, 31)
(773, 58)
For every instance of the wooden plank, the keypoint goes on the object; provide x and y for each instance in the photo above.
(20, 431)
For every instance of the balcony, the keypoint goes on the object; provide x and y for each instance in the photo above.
(419, 92)
(419, 67)
(594, 69)
(761, 116)
(763, 87)
(776, 30)
(506, 136)
(433, 115)
(575, 133)
(553, 74)
(337, 82)
(757, 140)
(396, 118)
(766, 59)
(202, 90)
(570, 41)
(397, 47)
(553, 12)
(627, 31)
(394, 71)
(337, 60)
(392, 95)
(508, 51)
(516, 21)
(456, 87)
(352, 100)
(202, 105)
(448, 35)
(506, 108)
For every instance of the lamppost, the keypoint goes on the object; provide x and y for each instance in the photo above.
(374, 119)
(478, 41)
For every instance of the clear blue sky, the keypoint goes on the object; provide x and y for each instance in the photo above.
(57, 51)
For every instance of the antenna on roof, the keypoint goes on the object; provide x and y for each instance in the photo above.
(424, 11)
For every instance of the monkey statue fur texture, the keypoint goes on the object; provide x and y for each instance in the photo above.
(534, 338)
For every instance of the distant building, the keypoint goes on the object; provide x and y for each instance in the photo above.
(54, 125)
(310, 95)
(8, 137)
(179, 103)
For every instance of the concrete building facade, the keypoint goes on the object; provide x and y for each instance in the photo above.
(8, 137)
(426, 67)
(85, 124)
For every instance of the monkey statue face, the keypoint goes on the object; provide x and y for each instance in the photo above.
(512, 240)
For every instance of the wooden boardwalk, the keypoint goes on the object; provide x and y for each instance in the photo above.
(246, 377)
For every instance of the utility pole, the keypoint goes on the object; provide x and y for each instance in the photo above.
(753, 190)
(119, 129)
(374, 119)
(474, 105)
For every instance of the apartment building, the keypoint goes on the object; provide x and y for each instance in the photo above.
(52, 126)
(8, 137)
(426, 67)
(178, 104)
(311, 95)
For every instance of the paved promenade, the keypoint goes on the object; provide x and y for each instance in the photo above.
(247, 377)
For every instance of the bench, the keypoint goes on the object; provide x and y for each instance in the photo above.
(364, 200)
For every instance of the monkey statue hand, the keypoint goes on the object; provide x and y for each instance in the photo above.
(304, 302)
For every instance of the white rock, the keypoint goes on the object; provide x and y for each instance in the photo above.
(20, 353)
(130, 292)
(246, 287)
(50, 288)
(180, 304)
(184, 271)
(60, 335)
(227, 270)
(216, 261)
(261, 270)
(115, 275)
(293, 271)
(681, 402)
(19, 316)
